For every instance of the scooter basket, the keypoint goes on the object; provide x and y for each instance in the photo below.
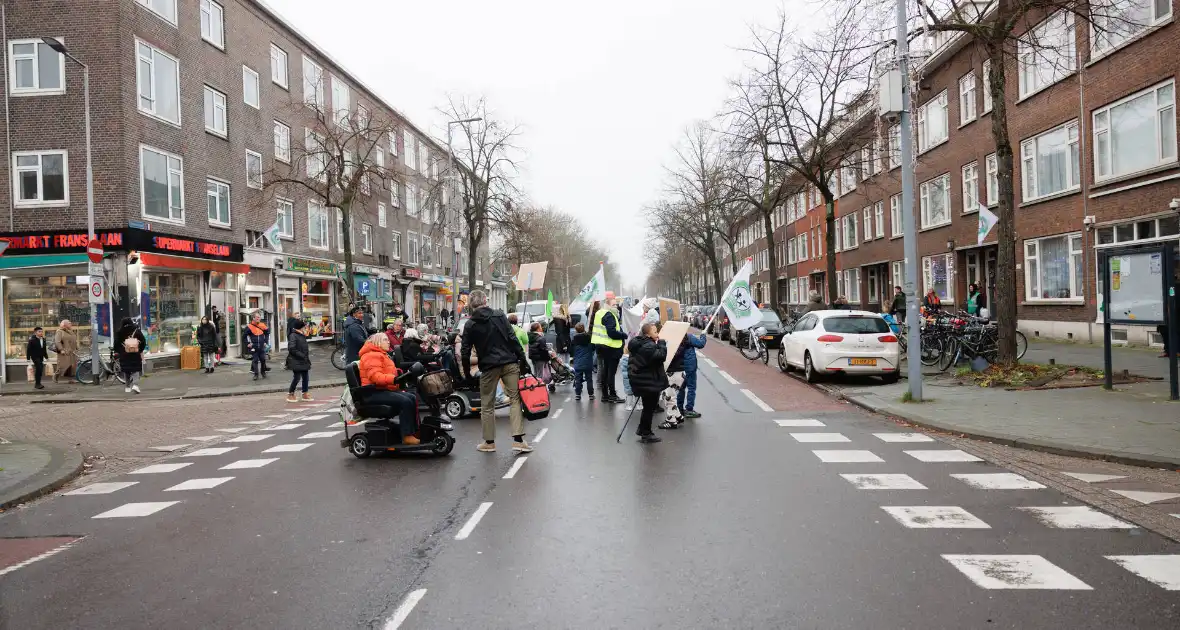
(534, 397)
(436, 384)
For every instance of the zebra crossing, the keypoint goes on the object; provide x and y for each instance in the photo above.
(871, 462)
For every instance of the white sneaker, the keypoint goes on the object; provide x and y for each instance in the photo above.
(135, 388)
(126, 390)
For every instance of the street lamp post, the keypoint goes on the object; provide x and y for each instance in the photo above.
(56, 45)
(455, 243)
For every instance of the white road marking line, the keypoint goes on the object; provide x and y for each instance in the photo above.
(288, 448)
(284, 427)
(757, 401)
(249, 463)
(884, 482)
(210, 452)
(256, 422)
(159, 468)
(1163, 570)
(1146, 498)
(315, 417)
(233, 430)
(199, 484)
(204, 438)
(567, 399)
(130, 510)
(279, 416)
(473, 521)
(848, 457)
(1092, 477)
(940, 456)
(934, 517)
(403, 611)
(39, 557)
(319, 434)
(557, 413)
(253, 437)
(540, 435)
(515, 467)
(167, 389)
(709, 362)
(805, 422)
(820, 437)
(999, 481)
(1014, 572)
(1075, 517)
(105, 487)
(903, 437)
(169, 448)
(334, 425)
(725, 375)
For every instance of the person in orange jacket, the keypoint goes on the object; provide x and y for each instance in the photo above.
(378, 370)
(258, 342)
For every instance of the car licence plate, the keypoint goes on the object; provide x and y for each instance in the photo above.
(872, 362)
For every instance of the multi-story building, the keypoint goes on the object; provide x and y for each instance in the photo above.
(1093, 124)
(194, 103)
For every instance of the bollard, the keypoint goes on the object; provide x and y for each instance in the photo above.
(1052, 361)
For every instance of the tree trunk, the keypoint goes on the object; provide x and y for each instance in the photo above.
(732, 257)
(769, 226)
(830, 243)
(1005, 299)
(472, 248)
(349, 272)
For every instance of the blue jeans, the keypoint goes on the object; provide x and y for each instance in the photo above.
(296, 377)
(579, 377)
(688, 391)
(258, 363)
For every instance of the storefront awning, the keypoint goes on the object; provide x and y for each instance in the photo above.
(180, 262)
(41, 260)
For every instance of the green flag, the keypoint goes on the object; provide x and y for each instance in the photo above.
(549, 306)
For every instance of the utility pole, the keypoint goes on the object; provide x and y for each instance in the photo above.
(910, 239)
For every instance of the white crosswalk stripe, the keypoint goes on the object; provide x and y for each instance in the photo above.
(159, 468)
(903, 437)
(934, 517)
(998, 481)
(945, 455)
(285, 427)
(848, 457)
(1014, 572)
(1147, 498)
(210, 452)
(253, 437)
(820, 437)
(106, 487)
(1093, 477)
(319, 434)
(1162, 570)
(884, 482)
(288, 448)
(131, 510)
(1075, 517)
(249, 463)
(802, 422)
(199, 484)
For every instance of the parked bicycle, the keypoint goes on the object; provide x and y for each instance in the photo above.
(754, 349)
(338, 352)
(109, 367)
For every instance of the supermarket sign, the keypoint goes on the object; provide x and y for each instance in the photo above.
(128, 239)
(58, 242)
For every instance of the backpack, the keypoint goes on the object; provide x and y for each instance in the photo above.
(131, 344)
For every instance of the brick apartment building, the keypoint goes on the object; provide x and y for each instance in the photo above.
(1093, 124)
(192, 102)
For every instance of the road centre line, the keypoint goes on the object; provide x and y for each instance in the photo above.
(557, 413)
(473, 521)
(725, 375)
(710, 363)
(757, 401)
(515, 467)
(403, 611)
(540, 435)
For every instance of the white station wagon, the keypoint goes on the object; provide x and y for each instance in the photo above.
(841, 342)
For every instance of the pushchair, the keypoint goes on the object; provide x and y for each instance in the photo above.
(562, 375)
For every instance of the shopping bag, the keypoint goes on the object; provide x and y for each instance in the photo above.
(49, 371)
(534, 397)
(29, 373)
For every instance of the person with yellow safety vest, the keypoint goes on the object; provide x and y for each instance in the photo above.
(607, 337)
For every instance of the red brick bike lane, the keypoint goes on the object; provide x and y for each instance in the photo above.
(780, 391)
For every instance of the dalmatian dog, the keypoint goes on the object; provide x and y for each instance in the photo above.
(673, 417)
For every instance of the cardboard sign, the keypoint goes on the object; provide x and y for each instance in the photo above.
(531, 276)
(669, 310)
(673, 332)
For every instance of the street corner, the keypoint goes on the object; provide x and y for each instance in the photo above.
(29, 470)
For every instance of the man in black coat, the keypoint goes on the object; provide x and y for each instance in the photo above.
(500, 361)
(298, 361)
(355, 334)
(37, 353)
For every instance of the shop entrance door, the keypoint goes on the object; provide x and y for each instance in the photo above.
(288, 306)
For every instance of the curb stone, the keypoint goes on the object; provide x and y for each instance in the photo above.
(260, 390)
(68, 467)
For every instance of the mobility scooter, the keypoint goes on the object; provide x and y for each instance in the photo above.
(370, 428)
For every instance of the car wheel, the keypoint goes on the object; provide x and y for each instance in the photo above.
(809, 373)
(783, 366)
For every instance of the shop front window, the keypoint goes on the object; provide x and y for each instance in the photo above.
(44, 302)
(317, 307)
(170, 309)
(223, 294)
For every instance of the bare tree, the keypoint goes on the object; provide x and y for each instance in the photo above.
(486, 161)
(532, 234)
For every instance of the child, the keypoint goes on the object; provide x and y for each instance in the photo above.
(583, 362)
(539, 354)
(298, 361)
(687, 397)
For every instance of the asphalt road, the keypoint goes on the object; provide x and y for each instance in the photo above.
(732, 522)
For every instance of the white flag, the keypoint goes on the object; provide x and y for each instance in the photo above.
(738, 301)
(594, 290)
(272, 237)
(987, 220)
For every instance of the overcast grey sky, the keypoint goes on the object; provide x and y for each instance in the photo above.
(602, 90)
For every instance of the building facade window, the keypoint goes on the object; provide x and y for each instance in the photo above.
(158, 81)
(409, 151)
(317, 225)
(971, 188)
(251, 91)
(1051, 162)
(852, 285)
(411, 200)
(253, 169)
(895, 215)
(1136, 133)
(217, 197)
(932, 123)
(161, 178)
(868, 223)
(879, 211)
(282, 142)
(317, 157)
(341, 103)
(1122, 22)
(279, 71)
(993, 180)
(935, 201)
(894, 147)
(395, 245)
(313, 84)
(1139, 231)
(967, 90)
(367, 239)
(938, 273)
(1046, 54)
(215, 112)
(987, 90)
(1053, 268)
(35, 68)
(286, 218)
(382, 219)
(395, 194)
(40, 179)
(803, 247)
(897, 271)
(412, 245)
(166, 9)
(213, 23)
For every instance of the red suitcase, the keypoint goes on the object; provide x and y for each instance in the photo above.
(534, 397)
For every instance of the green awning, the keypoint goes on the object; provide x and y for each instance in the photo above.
(42, 260)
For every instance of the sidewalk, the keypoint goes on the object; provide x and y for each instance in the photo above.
(1134, 424)
(29, 470)
(231, 379)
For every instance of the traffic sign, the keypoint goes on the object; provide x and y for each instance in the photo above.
(95, 269)
(94, 250)
(3, 245)
(97, 290)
